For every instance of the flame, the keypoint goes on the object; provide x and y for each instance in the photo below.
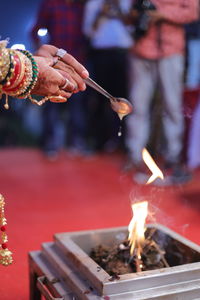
(136, 227)
(156, 172)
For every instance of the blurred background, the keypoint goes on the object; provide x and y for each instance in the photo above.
(63, 166)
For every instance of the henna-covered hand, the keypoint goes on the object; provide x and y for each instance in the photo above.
(68, 66)
(50, 81)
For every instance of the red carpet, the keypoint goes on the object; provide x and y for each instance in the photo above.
(72, 194)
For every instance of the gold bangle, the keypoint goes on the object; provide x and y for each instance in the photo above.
(4, 63)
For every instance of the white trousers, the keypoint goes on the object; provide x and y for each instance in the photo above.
(193, 81)
(144, 78)
(193, 72)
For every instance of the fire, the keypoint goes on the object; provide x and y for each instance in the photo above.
(156, 172)
(136, 227)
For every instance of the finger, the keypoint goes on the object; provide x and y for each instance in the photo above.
(67, 86)
(65, 94)
(79, 68)
(67, 76)
(75, 78)
(46, 51)
(64, 81)
(55, 60)
(50, 51)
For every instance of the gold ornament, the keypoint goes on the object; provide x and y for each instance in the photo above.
(5, 254)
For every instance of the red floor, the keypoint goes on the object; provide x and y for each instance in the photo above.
(43, 198)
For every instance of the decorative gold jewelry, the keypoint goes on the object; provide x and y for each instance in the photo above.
(57, 99)
(5, 254)
(34, 77)
(21, 93)
(21, 74)
(4, 60)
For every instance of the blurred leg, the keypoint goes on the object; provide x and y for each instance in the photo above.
(193, 72)
(77, 108)
(171, 77)
(142, 84)
(194, 140)
(53, 128)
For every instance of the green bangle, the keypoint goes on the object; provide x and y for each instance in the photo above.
(34, 74)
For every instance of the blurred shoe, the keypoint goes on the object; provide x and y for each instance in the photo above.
(174, 174)
(51, 155)
(166, 181)
(79, 151)
(180, 175)
(130, 165)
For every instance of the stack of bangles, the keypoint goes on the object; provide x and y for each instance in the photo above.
(18, 73)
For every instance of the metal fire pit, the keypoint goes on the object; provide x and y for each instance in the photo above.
(69, 255)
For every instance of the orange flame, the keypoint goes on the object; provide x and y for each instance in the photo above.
(156, 172)
(136, 227)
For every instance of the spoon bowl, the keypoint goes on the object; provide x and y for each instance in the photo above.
(121, 106)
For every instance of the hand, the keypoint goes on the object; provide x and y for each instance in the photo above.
(68, 67)
(50, 81)
(155, 16)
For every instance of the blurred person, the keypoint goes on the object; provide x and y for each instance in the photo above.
(193, 55)
(158, 58)
(109, 40)
(192, 85)
(63, 20)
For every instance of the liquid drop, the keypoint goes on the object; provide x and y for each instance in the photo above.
(120, 131)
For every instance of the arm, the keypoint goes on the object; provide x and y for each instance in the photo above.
(180, 14)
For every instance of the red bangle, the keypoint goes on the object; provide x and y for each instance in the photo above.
(14, 90)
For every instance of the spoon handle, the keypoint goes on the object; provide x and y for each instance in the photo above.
(98, 88)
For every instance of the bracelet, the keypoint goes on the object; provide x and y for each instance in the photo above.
(27, 79)
(4, 60)
(15, 82)
(27, 92)
(10, 71)
(15, 74)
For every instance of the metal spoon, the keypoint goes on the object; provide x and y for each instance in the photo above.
(120, 105)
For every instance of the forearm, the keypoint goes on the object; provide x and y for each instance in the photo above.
(183, 15)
